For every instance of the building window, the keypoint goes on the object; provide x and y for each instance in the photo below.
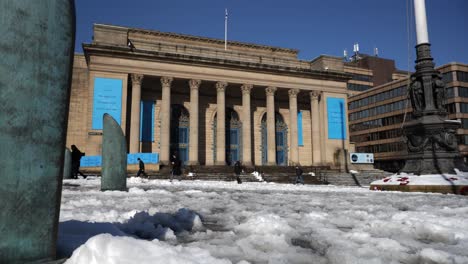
(464, 107)
(464, 123)
(450, 92)
(362, 77)
(462, 92)
(462, 76)
(463, 139)
(451, 109)
(358, 87)
(447, 77)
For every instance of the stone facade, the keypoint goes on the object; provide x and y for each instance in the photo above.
(252, 87)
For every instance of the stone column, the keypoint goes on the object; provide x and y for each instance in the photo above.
(165, 119)
(220, 124)
(193, 139)
(294, 159)
(315, 122)
(271, 133)
(246, 125)
(134, 145)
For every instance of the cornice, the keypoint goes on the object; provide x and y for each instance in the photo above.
(135, 54)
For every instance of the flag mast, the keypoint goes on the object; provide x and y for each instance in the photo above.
(225, 29)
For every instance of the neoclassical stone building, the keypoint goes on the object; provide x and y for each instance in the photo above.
(174, 93)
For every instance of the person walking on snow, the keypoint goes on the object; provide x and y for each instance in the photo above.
(299, 177)
(176, 166)
(141, 165)
(76, 155)
(237, 171)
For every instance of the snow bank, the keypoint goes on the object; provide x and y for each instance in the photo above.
(106, 248)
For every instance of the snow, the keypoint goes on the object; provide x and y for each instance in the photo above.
(258, 176)
(460, 178)
(157, 221)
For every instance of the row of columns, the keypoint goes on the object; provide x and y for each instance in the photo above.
(221, 117)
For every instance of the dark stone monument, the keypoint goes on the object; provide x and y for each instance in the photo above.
(67, 171)
(36, 50)
(114, 156)
(430, 137)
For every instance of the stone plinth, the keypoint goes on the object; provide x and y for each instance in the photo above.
(436, 183)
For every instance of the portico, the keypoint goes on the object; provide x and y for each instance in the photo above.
(208, 104)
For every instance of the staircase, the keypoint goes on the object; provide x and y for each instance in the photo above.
(362, 178)
(280, 174)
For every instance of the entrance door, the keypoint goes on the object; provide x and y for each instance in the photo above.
(281, 133)
(180, 132)
(233, 136)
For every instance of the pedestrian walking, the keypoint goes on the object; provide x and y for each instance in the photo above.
(299, 176)
(176, 166)
(237, 171)
(76, 157)
(141, 170)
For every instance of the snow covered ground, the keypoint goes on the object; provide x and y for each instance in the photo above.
(224, 222)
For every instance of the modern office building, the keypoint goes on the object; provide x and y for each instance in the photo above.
(376, 116)
(211, 105)
(370, 71)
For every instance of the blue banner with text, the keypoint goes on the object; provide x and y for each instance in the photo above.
(107, 98)
(336, 118)
(96, 161)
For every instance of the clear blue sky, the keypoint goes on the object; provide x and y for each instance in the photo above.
(313, 27)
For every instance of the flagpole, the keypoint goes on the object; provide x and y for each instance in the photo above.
(225, 29)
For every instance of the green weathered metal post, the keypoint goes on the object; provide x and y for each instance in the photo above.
(114, 156)
(67, 173)
(36, 51)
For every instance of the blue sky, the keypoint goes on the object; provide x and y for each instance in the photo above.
(312, 27)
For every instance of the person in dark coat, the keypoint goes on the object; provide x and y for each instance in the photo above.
(176, 166)
(299, 177)
(141, 165)
(237, 171)
(76, 155)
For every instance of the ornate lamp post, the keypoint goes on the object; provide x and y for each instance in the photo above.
(430, 137)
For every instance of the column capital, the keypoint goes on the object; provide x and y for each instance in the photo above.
(245, 88)
(166, 81)
(136, 78)
(293, 93)
(221, 86)
(314, 95)
(270, 90)
(194, 84)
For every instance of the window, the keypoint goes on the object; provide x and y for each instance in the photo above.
(464, 123)
(464, 107)
(450, 92)
(462, 92)
(358, 87)
(462, 76)
(447, 77)
(361, 77)
(451, 108)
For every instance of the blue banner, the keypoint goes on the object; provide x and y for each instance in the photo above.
(300, 138)
(336, 118)
(147, 121)
(107, 98)
(96, 161)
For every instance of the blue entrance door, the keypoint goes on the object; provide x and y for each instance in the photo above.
(232, 146)
(280, 147)
(233, 136)
(281, 133)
